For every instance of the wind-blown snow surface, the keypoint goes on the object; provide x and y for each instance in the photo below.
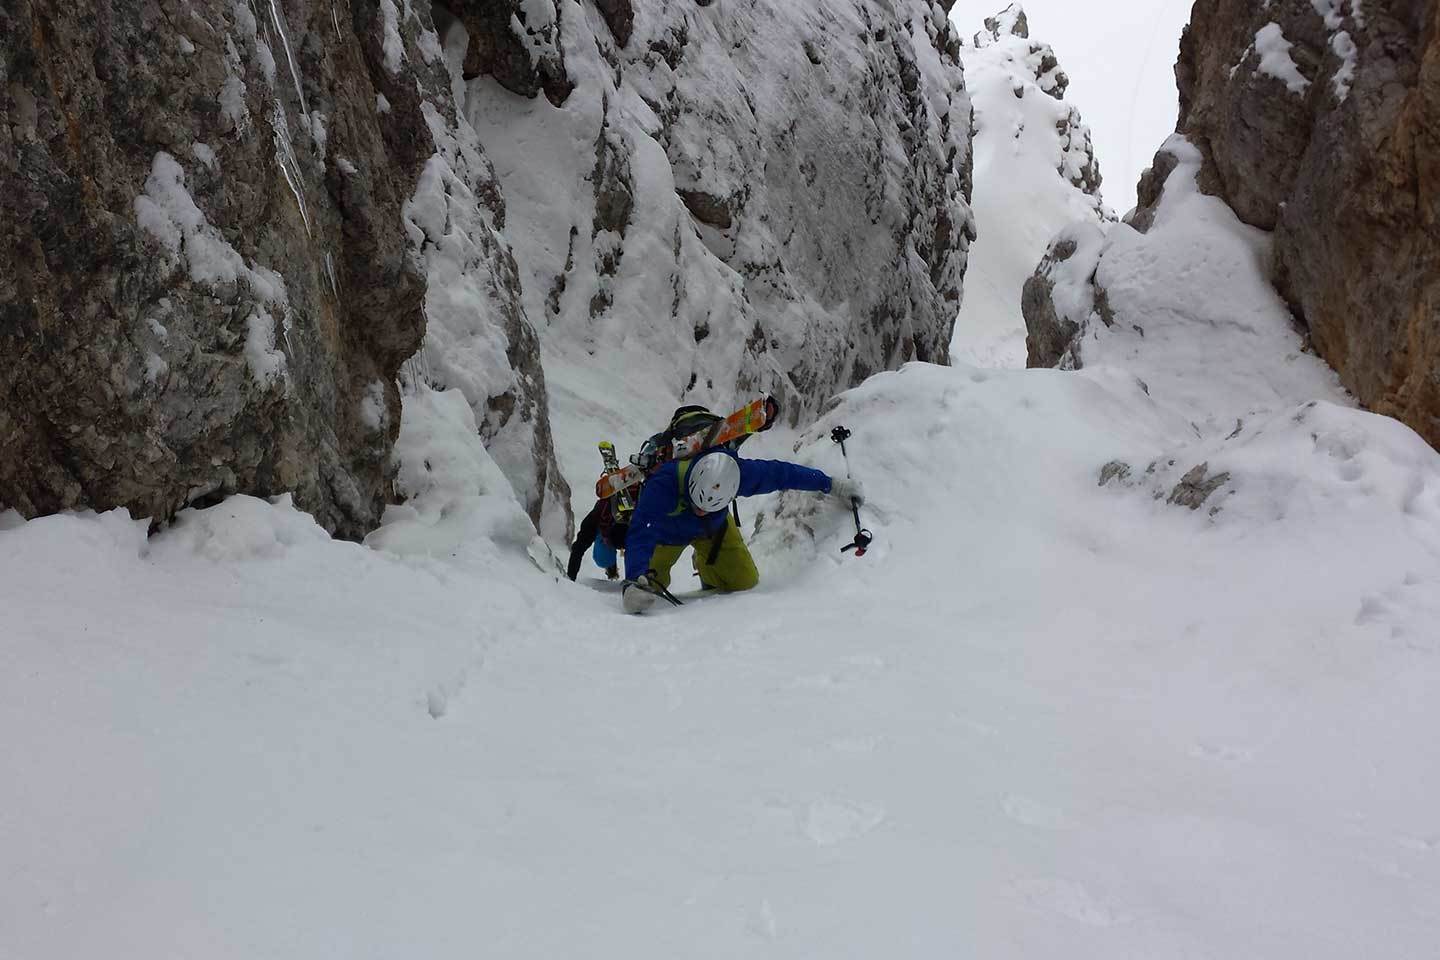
(1042, 718)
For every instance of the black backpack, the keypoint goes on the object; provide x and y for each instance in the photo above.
(691, 418)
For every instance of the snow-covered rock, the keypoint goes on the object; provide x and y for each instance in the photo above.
(197, 300)
(1035, 171)
(728, 198)
(458, 503)
(222, 231)
(1186, 306)
(1319, 120)
(478, 338)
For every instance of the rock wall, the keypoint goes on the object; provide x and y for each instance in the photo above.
(1320, 120)
(230, 229)
(217, 248)
(708, 200)
(1179, 301)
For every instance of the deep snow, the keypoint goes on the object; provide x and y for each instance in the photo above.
(1042, 718)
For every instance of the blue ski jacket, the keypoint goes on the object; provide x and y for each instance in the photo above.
(665, 515)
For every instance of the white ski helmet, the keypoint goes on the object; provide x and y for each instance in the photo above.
(713, 481)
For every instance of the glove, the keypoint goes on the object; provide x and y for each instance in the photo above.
(637, 595)
(848, 490)
(612, 572)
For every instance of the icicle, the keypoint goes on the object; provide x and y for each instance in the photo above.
(289, 57)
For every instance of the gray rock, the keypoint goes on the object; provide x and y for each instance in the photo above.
(1342, 172)
(1196, 487)
(1116, 470)
(1011, 20)
(526, 57)
(1054, 338)
(197, 300)
(206, 281)
(1150, 189)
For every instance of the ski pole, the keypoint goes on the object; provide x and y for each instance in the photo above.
(653, 586)
(863, 537)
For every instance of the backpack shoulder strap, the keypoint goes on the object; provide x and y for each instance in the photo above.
(682, 469)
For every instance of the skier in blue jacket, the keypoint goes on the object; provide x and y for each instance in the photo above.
(686, 504)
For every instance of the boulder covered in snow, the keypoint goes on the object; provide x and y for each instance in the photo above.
(1319, 120)
(1184, 305)
(217, 224)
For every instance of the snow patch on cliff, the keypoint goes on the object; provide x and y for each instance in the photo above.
(168, 212)
(1275, 59)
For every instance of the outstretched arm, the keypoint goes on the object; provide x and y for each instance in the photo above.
(767, 476)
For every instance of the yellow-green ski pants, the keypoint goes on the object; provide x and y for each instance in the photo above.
(733, 569)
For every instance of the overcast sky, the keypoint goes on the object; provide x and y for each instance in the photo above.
(1120, 56)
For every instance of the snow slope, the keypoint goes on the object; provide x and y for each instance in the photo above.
(1032, 160)
(1043, 717)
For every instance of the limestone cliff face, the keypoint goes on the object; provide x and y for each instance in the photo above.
(213, 254)
(232, 230)
(1320, 120)
(732, 197)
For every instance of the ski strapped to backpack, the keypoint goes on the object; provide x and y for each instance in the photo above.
(625, 499)
(678, 443)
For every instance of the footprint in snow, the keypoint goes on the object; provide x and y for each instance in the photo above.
(1069, 899)
(762, 922)
(1407, 612)
(1033, 813)
(821, 681)
(1229, 753)
(854, 668)
(830, 822)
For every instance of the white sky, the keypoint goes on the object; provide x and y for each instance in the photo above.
(1120, 56)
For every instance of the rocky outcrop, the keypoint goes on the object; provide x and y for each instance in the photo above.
(1321, 121)
(229, 228)
(738, 197)
(1008, 22)
(518, 44)
(1035, 171)
(1038, 57)
(1063, 298)
(1179, 299)
(217, 236)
